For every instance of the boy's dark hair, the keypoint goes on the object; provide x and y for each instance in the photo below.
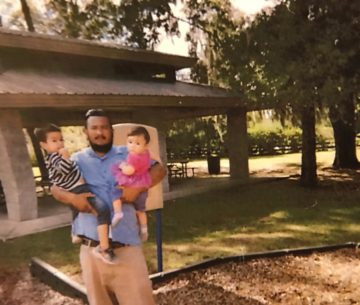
(96, 112)
(139, 130)
(41, 133)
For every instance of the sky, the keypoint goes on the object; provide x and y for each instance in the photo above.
(178, 46)
(250, 6)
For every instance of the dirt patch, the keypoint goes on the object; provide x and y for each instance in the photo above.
(318, 279)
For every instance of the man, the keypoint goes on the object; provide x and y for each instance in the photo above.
(127, 280)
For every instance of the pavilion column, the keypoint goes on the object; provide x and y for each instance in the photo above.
(15, 168)
(238, 143)
(153, 118)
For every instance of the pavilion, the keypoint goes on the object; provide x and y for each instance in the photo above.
(50, 79)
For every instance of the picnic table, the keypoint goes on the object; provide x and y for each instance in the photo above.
(180, 169)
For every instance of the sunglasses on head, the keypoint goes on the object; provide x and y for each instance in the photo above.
(95, 112)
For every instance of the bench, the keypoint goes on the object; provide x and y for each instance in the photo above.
(175, 171)
(44, 184)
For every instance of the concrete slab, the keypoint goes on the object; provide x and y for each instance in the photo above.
(51, 215)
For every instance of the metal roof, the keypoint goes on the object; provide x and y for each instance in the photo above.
(24, 89)
(57, 44)
(41, 84)
(30, 82)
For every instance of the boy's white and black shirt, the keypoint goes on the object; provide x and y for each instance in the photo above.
(63, 173)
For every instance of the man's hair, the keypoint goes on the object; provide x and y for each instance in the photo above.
(96, 112)
(41, 133)
(138, 131)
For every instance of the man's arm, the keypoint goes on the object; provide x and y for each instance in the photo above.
(78, 201)
(157, 173)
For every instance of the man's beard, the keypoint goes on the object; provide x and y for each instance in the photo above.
(102, 148)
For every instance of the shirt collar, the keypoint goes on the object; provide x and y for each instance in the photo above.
(113, 151)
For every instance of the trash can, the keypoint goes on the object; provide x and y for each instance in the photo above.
(213, 164)
(2, 199)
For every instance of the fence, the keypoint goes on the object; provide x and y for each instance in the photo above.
(197, 152)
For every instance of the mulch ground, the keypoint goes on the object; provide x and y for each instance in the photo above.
(321, 278)
(318, 279)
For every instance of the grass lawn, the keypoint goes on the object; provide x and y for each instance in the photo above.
(253, 218)
(237, 220)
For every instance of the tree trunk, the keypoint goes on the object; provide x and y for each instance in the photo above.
(27, 15)
(343, 123)
(308, 156)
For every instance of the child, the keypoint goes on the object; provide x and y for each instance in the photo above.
(64, 173)
(134, 172)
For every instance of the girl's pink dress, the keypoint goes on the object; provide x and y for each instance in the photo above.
(141, 176)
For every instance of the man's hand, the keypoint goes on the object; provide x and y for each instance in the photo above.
(78, 201)
(157, 173)
(128, 169)
(81, 203)
(64, 153)
(129, 194)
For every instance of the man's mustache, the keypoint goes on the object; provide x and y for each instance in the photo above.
(100, 137)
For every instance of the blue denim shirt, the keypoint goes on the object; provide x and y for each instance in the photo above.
(97, 174)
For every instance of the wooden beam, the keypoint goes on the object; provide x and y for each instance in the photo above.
(40, 42)
(75, 116)
(171, 114)
(47, 64)
(58, 101)
(68, 117)
(57, 280)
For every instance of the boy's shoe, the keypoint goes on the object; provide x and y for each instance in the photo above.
(116, 218)
(76, 239)
(107, 255)
(144, 235)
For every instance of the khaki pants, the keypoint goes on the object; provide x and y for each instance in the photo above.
(128, 281)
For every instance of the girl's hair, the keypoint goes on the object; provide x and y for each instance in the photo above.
(41, 133)
(139, 130)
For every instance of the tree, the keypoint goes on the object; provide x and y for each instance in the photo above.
(341, 44)
(238, 57)
(280, 40)
(320, 42)
(290, 57)
(334, 41)
(27, 15)
(343, 121)
(200, 136)
(134, 23)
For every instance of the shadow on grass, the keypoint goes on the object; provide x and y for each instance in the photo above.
(340, 178)
(257, 218)
(53, 246)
